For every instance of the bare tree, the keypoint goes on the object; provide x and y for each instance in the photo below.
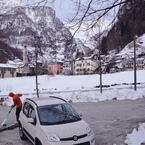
(38, 51)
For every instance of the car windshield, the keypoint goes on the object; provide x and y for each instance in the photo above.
(57, 114)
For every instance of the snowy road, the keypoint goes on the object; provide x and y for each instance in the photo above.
(110, 120)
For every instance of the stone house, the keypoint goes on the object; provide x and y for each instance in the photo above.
(140, 63)
(24, 68)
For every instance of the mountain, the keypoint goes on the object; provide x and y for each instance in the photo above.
(130, 22)
(10, 3)
(128, 50)
(8, 53)
(20, 24)
(90, 36)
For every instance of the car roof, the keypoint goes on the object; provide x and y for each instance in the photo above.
(42, 101)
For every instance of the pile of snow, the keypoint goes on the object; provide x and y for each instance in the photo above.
(83, 88)
(136, 137)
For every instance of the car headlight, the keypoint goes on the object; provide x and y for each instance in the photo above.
(89, 131)
(53, 137)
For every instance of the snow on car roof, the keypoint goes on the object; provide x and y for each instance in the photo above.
(47, 100)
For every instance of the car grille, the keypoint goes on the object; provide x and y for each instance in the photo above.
(72, 138)
(85, 143)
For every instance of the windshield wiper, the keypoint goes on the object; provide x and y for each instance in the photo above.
(47, 123)
(76, 117)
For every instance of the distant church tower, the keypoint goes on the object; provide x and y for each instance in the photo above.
(25, 55)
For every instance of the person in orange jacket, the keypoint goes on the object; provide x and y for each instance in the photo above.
(17, 103)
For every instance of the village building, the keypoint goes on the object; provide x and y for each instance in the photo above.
(7, 71)
(140, 63)
(24, 68)
(86, 65)
(68, 68)
(55, 66)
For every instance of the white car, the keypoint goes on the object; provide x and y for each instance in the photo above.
(52, 121)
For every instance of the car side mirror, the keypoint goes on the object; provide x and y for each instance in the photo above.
(31, 120)
(80, 113)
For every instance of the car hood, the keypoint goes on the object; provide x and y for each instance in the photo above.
(67, 130)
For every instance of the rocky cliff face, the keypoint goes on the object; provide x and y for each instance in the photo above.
(131, 22)
(19, 24)
(8, 53)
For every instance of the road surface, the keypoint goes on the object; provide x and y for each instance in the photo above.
(110, 120)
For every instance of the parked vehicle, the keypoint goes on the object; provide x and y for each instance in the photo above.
(53, 121)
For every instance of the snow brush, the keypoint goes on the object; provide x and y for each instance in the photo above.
(3, 124)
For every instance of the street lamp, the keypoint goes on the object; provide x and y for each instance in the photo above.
(135, 37)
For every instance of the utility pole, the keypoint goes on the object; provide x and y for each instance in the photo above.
(100, 72)
(100, 61)
(135, 37)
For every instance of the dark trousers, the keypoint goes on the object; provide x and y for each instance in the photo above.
(18, 110)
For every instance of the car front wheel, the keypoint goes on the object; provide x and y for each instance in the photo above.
(37, 142)
(21, 133)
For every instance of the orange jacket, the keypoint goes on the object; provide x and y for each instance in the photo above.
(16, 99)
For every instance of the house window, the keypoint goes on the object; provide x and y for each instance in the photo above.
(3, 69)
(2, 75)
(88, 64)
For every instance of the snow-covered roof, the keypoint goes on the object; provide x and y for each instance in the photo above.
(31, 65)
(86, 58)
(67, 62)
(140, 59)
(15, 62)
(39, 61)
(118, 61)
(2, 65)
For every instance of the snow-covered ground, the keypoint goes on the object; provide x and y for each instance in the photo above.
(82, 88)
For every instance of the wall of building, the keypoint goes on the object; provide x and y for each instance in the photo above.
(7, 72)
(85, 66)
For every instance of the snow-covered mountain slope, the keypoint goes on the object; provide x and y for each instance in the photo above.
(21, 23)
(7, 5)
(11, 3)
(129, 48)
(89, 31)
